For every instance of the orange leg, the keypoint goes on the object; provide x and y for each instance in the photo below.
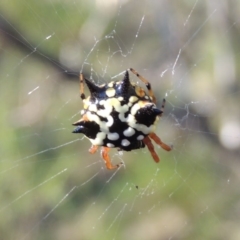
(106, 158)
(93, 149)
(159, 142)
(150, 147)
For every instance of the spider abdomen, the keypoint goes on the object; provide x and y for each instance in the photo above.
(114, 120)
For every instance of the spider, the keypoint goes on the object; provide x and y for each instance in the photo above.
(119, 115)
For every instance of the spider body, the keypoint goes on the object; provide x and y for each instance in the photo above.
(119, 115)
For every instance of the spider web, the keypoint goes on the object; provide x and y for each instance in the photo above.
(52, 188)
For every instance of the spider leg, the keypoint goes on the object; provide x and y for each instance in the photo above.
(150, 147)
(148, 85)
(93, 149)
(159, 142)
(81, 78)
(106, 158)
(163, 105)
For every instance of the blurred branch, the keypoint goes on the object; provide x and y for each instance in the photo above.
(14, 37)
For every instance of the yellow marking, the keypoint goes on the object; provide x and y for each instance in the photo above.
(110, 84)
(114, 102)
(133, 99)
(110, 92)
(86, 103)
(139, 91)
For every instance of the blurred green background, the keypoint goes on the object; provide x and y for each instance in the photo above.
(52, 188)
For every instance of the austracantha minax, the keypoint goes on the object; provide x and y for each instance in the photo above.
(119, 115)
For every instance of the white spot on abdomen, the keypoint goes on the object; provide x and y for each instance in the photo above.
(140, 137)
(120, 98)
(135, 108)
(110, 145)
(113, 136)
(111, 84)
(92, 108)
(110, 92)
(133, 99)
(129, 132)
(109, 121)
(125, 143)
